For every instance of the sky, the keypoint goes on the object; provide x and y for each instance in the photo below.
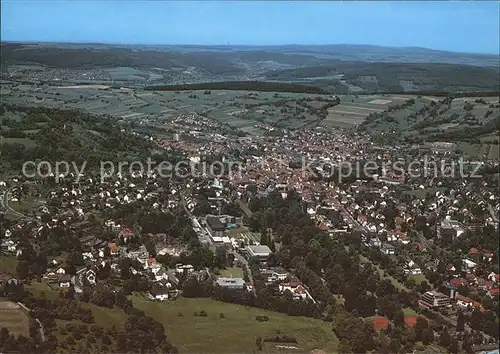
(460, 26)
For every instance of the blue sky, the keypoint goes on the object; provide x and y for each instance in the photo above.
(464, 26)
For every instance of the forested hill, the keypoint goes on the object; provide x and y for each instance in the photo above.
(50, 134)
(397, 77)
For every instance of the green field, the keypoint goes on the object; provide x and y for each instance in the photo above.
(37, 288)
(418, 278)
(13, 318)
(237, 331)
(232, 272)
(393, 280)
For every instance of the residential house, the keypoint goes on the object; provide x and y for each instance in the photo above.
(183, 268)
(161, 274)
(159, 292)
(60, 270)
(279, 273)
(7, 279)
(493, 292)
(125, 234)
(297, 289)
(113, 249)
(466, 303)
(86, 275)
(387, 249)
(375, 242)
(64, 281)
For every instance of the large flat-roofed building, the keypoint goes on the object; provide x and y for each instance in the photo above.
(434, 299)
(261, 252)
(451, 228)
(215, 226)
(231, 283)
(217, 231)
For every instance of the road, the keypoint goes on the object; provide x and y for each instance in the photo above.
(350, 218)
(453, 323)
(242, 259)
(42, 332)
(244, 208)
(4, 203)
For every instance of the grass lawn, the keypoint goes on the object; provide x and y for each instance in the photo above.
(8, 264)
(237, 331)
(409, 312)
(106, 317)
(13, 318)
(418, 278)
(234, 272)
(25, 204)
(36, 288)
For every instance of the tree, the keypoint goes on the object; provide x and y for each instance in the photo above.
(420, 326)
(427, 336)
(445, 339)
(460, 322)
(453, 346)
(258, 343)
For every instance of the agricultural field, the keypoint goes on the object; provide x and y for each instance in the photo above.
(472, 122)
(353, 110)
(256, 113)
(236, 330)
(14, 318)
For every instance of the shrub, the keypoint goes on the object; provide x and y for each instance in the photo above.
(262, 318)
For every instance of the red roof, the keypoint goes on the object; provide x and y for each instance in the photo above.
(458, 281)
(464, 299)
(112, 246)
(473, 251)
(420, 247)
(495, 291)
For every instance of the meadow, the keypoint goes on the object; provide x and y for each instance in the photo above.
(229, 328)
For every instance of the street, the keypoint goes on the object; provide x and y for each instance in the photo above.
(242, 259)
(4, 203)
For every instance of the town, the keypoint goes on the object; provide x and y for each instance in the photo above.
(429, 236)
(255, 177)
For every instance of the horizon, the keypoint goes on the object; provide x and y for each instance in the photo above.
(465, 27)
(241, 45)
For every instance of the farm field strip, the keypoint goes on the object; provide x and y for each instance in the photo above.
(13, 318)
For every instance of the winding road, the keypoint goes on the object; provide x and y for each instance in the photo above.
(4, 203)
